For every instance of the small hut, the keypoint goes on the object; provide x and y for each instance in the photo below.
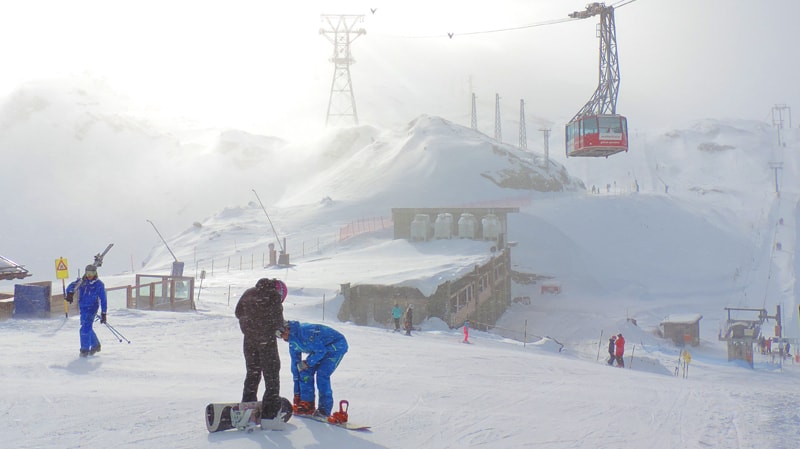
(682, 329)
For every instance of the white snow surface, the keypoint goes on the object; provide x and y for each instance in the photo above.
(625, 260)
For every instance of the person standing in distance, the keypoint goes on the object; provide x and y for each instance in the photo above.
(90, 292)
(612, 348)
(409, 321)
(397, 313)
(620, 351)
(260, 312)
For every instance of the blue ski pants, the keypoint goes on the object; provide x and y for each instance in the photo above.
(322, 373)
(88, 337)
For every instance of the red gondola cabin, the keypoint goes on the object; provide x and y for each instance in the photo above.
(597, 135)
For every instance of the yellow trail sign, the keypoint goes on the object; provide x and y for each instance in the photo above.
(62, 268)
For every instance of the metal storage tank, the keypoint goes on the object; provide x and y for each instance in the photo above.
(420, 226)
(491, 227)
(467, 226)
(443, 226)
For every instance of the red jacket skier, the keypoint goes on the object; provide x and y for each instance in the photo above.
(620, 350)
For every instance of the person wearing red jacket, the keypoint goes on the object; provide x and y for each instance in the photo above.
(620, 350)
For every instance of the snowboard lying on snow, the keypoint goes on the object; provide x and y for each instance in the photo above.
(239, 415)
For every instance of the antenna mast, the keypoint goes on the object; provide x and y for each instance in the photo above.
(341, 34)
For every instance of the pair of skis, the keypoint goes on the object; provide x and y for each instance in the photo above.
(98, 262)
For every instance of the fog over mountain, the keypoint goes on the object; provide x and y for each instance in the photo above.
(705, 230)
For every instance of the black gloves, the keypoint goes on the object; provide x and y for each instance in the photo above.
(69, 297)
(102, 318)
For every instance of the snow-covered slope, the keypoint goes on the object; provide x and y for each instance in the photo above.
(624, 259)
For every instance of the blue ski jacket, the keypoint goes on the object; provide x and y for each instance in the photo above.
(90, 293)
(316, 340)
(397, 312)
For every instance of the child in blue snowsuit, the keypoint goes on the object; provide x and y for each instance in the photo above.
(325, 348)
(91, 294)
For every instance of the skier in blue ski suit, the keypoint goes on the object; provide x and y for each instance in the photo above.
(91, 294)
(325, 348)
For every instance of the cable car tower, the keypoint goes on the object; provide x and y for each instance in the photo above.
(342, 32)
(597, 130)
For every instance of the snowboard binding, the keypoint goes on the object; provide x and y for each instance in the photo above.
(340, 417)
(244, 417)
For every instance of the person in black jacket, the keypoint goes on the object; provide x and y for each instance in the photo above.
(611, 349)
(409, 321)
(260, 312)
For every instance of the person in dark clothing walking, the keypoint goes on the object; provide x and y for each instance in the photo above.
(260, 312)
(409, 321)
(611, 350)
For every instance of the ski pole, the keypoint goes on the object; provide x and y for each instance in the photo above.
(113, 330)
(599, 345)
(630, 365)
(116, 333)
(110, 329)
(66, 306)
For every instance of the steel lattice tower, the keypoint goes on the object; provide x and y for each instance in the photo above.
(778, 122)
(604, 100)
(546, 132)
(498, 134)
(474, 118)
(523, 133)
(341, 33)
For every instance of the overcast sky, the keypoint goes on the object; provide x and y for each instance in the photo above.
(263, 66)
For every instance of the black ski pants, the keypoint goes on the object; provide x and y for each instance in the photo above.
(261, 358)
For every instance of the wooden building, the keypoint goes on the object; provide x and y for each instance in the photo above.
(682, 329)
(481, 296)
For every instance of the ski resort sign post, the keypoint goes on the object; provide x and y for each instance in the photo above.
(62, 272)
